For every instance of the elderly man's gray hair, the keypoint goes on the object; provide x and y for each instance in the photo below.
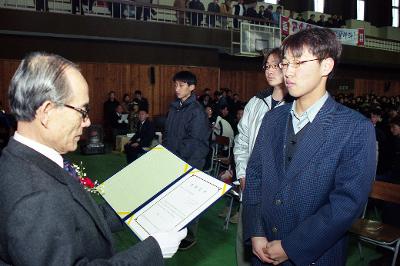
(40, 77)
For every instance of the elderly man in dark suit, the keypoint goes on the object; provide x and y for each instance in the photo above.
(47, 218)
(312, 165)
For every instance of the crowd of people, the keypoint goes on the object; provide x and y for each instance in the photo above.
(265, 15)
(384, 113)
(334, 21)
(305, 160)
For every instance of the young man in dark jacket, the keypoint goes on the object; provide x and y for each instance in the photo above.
(187, 132)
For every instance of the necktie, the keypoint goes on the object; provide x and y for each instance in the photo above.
(70, 169)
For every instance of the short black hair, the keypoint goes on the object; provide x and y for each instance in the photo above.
(320, 42)
(185, 76)
(276, 52)
(138, 92)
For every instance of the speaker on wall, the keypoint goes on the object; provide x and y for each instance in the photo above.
(152, 76)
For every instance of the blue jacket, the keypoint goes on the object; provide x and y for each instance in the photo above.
(311, 205)
(187, 132)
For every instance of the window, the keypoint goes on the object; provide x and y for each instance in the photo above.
(274, 2)
(319, 6)
(395, 13)
(360, 9)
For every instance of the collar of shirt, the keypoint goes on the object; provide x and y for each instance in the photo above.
(43, 149)
(309, 115)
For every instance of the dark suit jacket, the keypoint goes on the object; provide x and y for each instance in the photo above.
(311, 204)
(145, 133)
(47, 218)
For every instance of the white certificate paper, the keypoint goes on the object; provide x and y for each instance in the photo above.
(174, 208)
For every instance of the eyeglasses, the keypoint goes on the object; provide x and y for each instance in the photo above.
(83, 112)
(268, 67)
(295, 63)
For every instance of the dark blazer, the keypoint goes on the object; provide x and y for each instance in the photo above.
(47, 218)
(145, 133)
(312, 203)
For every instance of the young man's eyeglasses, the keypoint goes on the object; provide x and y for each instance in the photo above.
(268, 67)
(83, 112)
(295, 63)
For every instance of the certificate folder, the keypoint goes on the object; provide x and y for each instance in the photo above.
(160, 192)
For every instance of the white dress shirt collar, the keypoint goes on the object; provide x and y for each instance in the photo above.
(43, 149)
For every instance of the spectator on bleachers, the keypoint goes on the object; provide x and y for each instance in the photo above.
(226, 9)
(341, 23)
(268, 13)
(78, 4)
(321, 22)
(261, 10)
(116, 9)
(276, 16)
(252, 13)
(143, 8)
(291, 14)
(42, 5)
(300, 17)
(196, 18)
(311, 20)
(180, 15)
(238, 10)
(143, 103)
(330, 23)
(213, 7)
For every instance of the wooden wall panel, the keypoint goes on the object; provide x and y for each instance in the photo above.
(245, 83)
(365, 86)
(7, 70)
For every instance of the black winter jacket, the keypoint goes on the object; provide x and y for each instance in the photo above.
(187, 132)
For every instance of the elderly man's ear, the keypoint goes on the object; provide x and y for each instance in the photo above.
(44, 111)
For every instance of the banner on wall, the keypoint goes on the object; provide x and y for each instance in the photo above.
(354, 37)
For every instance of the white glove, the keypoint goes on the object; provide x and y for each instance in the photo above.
(169, 241)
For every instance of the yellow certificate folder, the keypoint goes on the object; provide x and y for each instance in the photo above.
(159, 193)
(140, 181)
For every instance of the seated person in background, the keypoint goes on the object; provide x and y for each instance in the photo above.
(143, 102)
(142, 138)
(239, 115)
(119, 122)
(311, 20)
(222, 126)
